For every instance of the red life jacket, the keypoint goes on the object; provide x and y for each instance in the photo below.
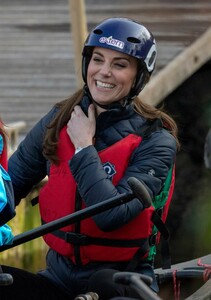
(57, 199)
(4, 160)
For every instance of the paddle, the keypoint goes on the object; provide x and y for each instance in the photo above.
(138, 191)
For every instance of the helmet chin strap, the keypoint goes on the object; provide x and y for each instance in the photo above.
(114, 105)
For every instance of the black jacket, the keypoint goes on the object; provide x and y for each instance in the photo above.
(149, 163)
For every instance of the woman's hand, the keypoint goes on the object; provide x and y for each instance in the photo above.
(80, 128)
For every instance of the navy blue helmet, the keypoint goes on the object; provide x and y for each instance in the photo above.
(126, 36)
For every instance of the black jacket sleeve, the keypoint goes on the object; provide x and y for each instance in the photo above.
(150, 164)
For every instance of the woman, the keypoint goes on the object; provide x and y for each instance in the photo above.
(89, 145)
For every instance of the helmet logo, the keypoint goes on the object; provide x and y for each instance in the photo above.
(150, 59)
(112, 42)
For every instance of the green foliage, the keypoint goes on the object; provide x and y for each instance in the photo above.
(30, 255)
(189, 217)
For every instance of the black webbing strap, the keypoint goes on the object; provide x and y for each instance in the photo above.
(78, 206)
(165, 236)
(165, 254)
(141, 252)
(161, 226)
(80, 239)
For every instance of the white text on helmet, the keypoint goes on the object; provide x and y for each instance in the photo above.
(113, 42)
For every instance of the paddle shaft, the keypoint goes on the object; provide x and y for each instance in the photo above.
(68, 220)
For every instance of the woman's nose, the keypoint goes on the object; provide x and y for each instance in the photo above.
(106, 70)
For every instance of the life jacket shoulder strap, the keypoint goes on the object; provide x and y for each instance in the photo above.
(161, 204)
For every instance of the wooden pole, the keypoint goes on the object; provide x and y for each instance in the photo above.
(79, 33)
(178, 70)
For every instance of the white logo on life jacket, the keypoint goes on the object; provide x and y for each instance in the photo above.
(109, 169)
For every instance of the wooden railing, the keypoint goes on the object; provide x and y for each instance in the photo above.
(178, 70)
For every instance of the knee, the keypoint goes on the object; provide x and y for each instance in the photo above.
(101, 282)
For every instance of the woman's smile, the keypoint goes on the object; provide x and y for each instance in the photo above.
(105, 85)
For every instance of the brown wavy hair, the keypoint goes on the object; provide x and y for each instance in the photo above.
(66, 107)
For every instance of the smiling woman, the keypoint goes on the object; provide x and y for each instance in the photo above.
(89, 145)
(110, 76)
(133, 43)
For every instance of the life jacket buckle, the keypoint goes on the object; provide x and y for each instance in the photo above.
(152, 239)
(159, 211)
(76, 238)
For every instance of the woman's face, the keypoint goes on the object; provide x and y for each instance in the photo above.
(110, 75)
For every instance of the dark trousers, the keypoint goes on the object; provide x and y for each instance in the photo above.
(29, 286)
(102, 283)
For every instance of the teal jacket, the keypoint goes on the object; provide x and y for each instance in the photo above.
(6, 236)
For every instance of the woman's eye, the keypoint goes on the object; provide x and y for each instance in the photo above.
(118, 65)
(97, 59)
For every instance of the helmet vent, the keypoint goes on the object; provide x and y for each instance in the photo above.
(98, 31)
(133, 40)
